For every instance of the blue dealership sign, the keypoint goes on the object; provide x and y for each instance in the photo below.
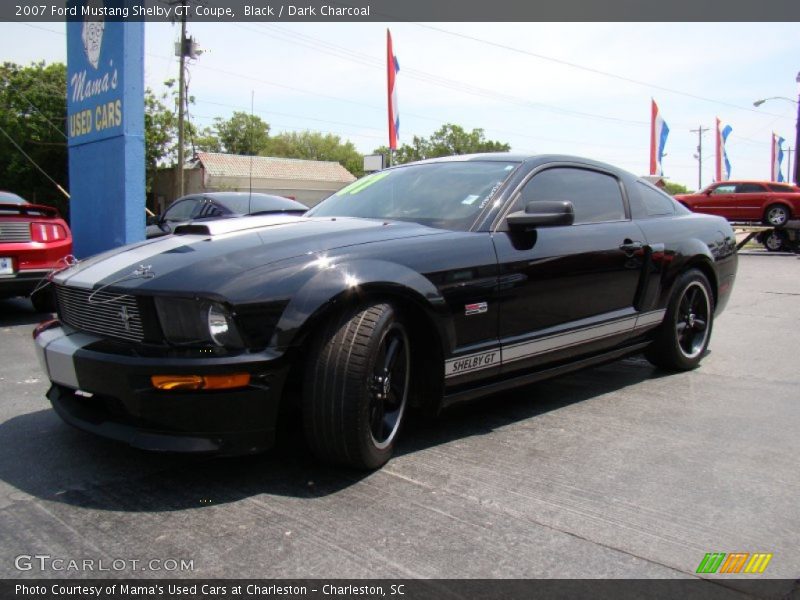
(105, 126)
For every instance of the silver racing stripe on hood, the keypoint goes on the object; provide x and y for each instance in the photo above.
(88, 276)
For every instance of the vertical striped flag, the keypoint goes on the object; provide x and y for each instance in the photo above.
(723, 164)
(777, 157)
(392, 69)
(658, 139)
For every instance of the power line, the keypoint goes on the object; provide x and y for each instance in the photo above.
(432, 79)
(41, 114)
(590, 69)
(34, 163)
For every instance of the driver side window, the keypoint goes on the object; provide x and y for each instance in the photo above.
(596, 197)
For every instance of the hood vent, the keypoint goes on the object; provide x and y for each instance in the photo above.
(221, 226)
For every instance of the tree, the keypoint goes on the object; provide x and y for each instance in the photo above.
(241, 134)
(453, 139)
(673, 188)
(33, 113)
(448, 140)
(160, 129)
(314, 145)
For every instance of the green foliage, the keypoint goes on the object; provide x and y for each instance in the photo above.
(673, 188)
(313, 145)
(33, 113)
(241, 134)
(448, 140)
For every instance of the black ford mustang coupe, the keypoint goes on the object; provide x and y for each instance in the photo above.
(417, 286)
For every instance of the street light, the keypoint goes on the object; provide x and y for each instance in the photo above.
(797, 127)
(760, 102)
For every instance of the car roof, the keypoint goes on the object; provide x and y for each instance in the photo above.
(244, 202)
(757, 181)
(531, 159)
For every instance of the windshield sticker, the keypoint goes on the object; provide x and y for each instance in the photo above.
(509, 167)
(470, 200)
(362, 184)
(488, 197)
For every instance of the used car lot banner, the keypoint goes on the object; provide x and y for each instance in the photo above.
(105, 127)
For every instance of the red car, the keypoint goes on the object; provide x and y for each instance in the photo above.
(772, 203)
(34, 239)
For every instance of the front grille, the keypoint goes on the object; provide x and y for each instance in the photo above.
(105, 313)
(15, 232)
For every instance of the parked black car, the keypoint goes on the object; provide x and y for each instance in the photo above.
(420, 285)
(219, 205)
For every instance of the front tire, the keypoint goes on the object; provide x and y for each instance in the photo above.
(682, 339)
(44, 300)
(776, 215)
(356, 387)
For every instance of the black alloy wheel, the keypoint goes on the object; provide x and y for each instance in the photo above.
(356, 386)
(389, 386)
(693, 319)
(681, 341)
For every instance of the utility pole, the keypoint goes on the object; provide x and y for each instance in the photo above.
(699, 131)
(186, 48)
(181, 100)
(797, 136)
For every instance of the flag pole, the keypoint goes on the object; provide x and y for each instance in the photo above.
(392, 69)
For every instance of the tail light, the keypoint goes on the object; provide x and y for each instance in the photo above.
(47, 232)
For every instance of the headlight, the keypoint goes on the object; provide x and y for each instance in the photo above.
(221, 328)
(190, 321)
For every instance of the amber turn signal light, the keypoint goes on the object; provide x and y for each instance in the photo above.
(200, 382)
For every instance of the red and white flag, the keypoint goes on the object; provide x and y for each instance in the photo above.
(392, 69)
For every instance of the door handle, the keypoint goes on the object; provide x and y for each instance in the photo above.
(631, 246)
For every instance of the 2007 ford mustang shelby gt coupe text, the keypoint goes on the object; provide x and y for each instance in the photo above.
(417, 286)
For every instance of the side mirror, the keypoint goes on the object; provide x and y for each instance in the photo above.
(708, 192)
(151, 220)
(544, 213)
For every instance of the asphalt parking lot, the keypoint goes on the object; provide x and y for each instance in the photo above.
(618, 471)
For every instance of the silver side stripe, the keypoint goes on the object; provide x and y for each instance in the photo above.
(650, 318)
(91, 274)
(510, 353)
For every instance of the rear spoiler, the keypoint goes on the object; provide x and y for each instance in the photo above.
(29, 209)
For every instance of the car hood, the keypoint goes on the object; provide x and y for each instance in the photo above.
(202, 257)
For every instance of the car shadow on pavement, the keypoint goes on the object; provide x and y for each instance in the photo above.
(20, 311)
(43, 457)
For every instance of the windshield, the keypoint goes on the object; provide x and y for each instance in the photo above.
(448, 195)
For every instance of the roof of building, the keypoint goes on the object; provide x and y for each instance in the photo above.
(268, 167)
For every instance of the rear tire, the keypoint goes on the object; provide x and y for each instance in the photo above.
(682, 339)
(776, 215)
(356, 387)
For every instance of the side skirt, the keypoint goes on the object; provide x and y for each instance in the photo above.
(528, 378)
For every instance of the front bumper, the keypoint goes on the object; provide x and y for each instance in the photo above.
(104, 388)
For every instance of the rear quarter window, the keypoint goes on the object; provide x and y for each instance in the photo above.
(655, 202)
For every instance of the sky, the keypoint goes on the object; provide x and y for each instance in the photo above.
(574, 88)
